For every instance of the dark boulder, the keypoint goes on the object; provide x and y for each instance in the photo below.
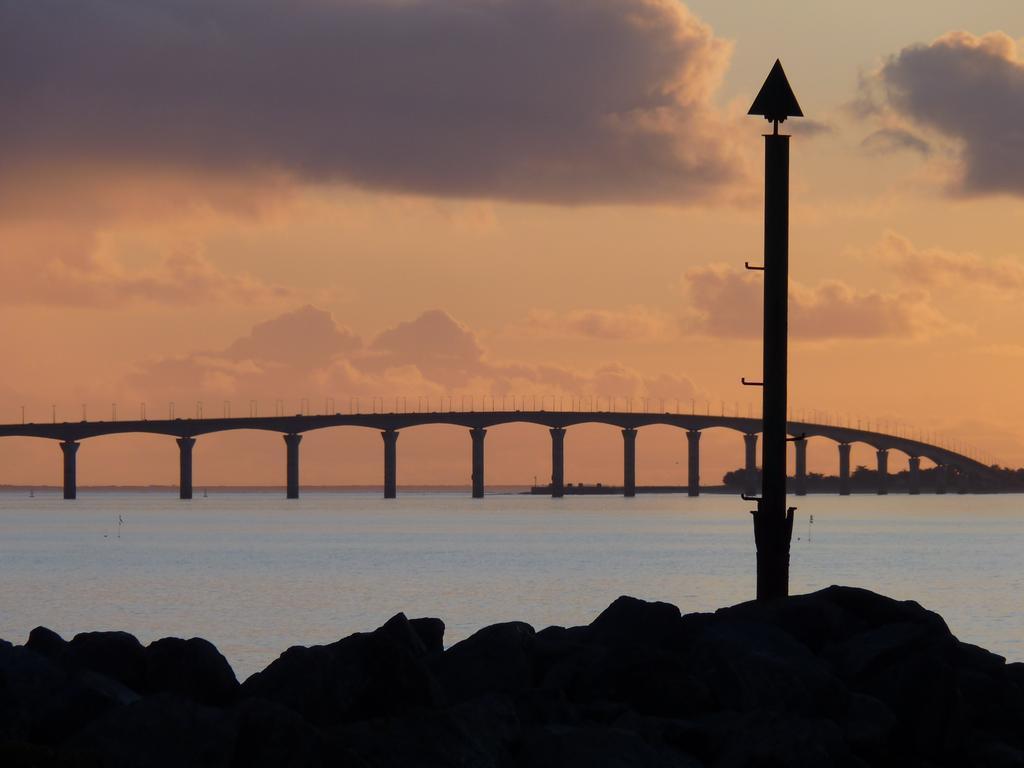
(117, 655)
(430, 633)
(774, 739)
(269, 735)
(157, 732)
(46, 643)
(596, 747)
(365, 675)
(748, 665)
(28, 681)
(628, 620)
(192, 668)
(833, 615)
(477, 734)
(496, 659)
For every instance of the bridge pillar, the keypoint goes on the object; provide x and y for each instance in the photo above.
(962, 481)
(914, 476)
(477, 434)
(629, 463)
(693, 462)
(185, 445)
(883, 471)
(390, 463)
(557, 462)
(70, 449)
(292, 441)
(941, 478)
(844, 469)
(750, 484)
(800, 477)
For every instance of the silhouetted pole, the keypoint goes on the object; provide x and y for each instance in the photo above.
(185, 445)
(773, 522)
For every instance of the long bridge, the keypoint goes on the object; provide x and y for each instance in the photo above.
(955, 468)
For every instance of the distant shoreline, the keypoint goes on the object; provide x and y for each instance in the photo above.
(521, 490)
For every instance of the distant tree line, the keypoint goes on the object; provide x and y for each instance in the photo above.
(865, 480)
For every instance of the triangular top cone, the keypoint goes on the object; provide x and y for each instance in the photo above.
(776, 101)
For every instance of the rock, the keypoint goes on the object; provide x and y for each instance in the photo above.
(628, 620)
(193, 668)
(869, 727)
(477, 734)
(496, 659)
(430, 633)
(272, 736)
(46, 643)
(27, 683)
(115, 654)
(841, 677)
(787, 740)
(365, 675)
(833, 615)
(594, 747)
(748, 666)
(159, 731)
(647, 680)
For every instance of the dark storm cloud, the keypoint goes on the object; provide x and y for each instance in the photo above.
(551, 100)
(970, 89)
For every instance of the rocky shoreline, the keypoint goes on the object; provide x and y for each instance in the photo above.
(840, 677)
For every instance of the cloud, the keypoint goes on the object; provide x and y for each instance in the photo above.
(632, 324)
(307, 354)
(304, 337)
(543, 100)
(442, 348)
(809, 128)
(69, 268)
(933, 266)
(727, 303)
(969, 89)
(889, 140)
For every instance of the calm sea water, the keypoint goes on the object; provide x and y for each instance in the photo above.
(255, 574)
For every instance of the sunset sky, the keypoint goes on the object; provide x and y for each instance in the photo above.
(259, 200)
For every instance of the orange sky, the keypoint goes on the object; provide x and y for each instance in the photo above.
(224, 202)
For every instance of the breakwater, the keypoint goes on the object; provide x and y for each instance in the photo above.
(842, 676)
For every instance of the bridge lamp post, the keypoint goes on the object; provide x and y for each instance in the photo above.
(773, 521)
